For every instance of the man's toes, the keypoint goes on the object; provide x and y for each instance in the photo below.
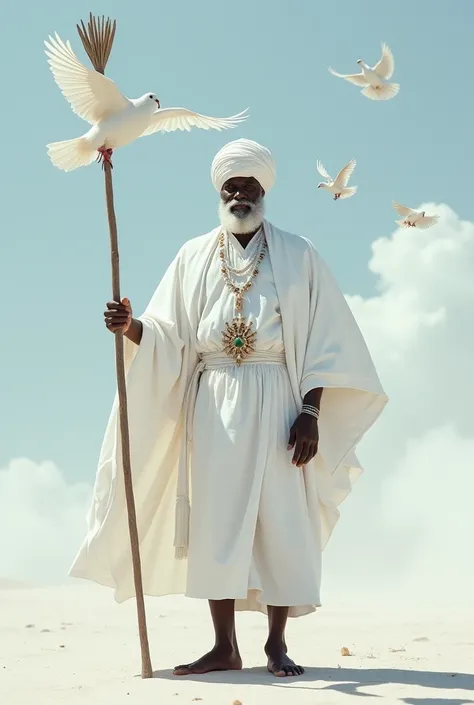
(293, 670)
(278, 672)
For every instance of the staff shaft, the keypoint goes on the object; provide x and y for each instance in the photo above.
(147, 671)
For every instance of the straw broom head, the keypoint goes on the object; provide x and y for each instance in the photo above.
(97, 39)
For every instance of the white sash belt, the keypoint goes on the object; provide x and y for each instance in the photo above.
(208, 361)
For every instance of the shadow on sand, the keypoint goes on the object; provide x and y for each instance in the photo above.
(344, 680)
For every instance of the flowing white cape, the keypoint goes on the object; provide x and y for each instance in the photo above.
(324, 348)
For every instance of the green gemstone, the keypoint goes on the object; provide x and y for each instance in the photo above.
(239, 343)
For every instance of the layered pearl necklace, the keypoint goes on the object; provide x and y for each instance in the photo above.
(238, 338)
(256, 244)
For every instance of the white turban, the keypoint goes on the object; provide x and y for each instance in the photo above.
(243, 158)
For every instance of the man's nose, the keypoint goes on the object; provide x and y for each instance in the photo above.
(239, 196)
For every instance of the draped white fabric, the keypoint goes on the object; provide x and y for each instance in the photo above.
(258, 524)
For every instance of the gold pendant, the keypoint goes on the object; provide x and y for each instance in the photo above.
(239, 339)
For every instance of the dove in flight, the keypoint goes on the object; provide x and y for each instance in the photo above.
(373, 79)
(414, 219)
(338, 186)
(116, 120)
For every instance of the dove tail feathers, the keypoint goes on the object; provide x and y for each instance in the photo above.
(384, 92)
(348, 192)
(71, 154)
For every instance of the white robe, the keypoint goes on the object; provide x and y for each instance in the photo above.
(247, 498)
(251, 538)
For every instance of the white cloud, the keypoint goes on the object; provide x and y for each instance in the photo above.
(42, 521)
(428, 502)
(411, 521)
(406, 532)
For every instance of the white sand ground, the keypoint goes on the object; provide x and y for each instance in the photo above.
(75, 645)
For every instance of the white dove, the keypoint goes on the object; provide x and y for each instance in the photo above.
(115, 119)
(414, 219)
(373, 78)
(338, 186)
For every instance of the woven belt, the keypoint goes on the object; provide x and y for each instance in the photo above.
(215, 360)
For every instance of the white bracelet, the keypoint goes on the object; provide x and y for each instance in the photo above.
(311, 410)
(310, 413)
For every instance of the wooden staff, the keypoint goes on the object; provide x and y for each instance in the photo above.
(97, 40)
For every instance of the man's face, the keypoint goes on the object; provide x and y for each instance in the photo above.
(241, 193)
(241, 207)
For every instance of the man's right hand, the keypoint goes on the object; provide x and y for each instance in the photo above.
(118, 316)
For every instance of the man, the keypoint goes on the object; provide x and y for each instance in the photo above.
(249, 385)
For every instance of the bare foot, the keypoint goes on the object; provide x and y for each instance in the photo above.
(279, 663)
(218, 659)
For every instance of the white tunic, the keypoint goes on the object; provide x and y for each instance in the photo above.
(251, 538)
(258, 523)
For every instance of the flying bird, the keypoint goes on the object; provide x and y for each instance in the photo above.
(414, 219)
(338, 186)
(116, 120)
(373, 79)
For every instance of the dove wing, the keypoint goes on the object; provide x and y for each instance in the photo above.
(322, 171)
(386, 66)
(402, 210)
(427, 221)
(92, 96)
(356, 78)
(345, 174)
(171, 119)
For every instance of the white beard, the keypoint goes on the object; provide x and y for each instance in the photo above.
(243, 223)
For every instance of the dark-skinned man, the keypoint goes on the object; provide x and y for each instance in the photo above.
(249, 385)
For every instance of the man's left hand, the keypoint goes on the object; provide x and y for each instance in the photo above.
(304, 438)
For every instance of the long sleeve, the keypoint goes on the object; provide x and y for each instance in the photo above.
(337, 360)
(166, 354)
(157, 373)
(336, 353)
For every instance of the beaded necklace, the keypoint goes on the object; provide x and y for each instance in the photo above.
(238, 338)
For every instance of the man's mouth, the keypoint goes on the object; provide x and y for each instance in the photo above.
(243, 207)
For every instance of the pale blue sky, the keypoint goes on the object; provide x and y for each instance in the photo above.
(57, 373)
